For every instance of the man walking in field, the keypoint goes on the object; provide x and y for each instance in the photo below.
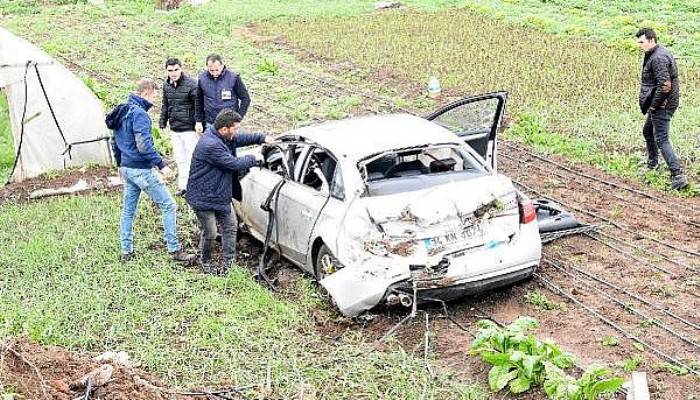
(214, 181)
(136, 158)
(219, 88)
(178, 109)
(659, 93)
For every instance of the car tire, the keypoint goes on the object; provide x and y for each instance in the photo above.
(326, 263)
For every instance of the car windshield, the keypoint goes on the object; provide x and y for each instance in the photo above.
(418, 168)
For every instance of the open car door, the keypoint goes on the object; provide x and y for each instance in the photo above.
(476, 119)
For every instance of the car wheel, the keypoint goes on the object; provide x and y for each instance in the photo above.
(326, 263)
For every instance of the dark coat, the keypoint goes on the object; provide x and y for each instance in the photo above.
(226, 91)
(178, 106)
(132, 142)
(659, 86)
(213, 179)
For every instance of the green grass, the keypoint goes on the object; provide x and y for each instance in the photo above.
(7, 147)
(578, 88)
(541, 302)
(611, 22)
(61, 283)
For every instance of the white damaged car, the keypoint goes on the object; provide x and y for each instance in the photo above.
(395, 208)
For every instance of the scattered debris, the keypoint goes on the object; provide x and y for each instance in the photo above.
(96, 378)
(79, 186)
(637, 388)
(382, 5)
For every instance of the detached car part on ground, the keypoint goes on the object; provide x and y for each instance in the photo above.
(388, 209)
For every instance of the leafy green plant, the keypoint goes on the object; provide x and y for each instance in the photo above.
(517, 357)
(594, 382)
(520, 361)
(540, 301)
(671, 368)
(631, 364)
(610, 341)
(268, 66)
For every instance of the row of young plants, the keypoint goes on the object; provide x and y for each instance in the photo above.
(577, 88)
(521, 362)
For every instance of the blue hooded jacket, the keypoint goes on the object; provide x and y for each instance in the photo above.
(213, 179)
(132, 142)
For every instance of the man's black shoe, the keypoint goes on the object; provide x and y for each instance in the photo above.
(679, 182)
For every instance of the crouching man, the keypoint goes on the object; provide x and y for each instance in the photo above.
(213, 181)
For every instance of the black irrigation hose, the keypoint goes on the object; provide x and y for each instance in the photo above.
(666, 213)
(630, 255)
(21, 132)
(644, 250)
(634, 296)
(625, 306)
(594, 178)
(617, 327)
(611, 222)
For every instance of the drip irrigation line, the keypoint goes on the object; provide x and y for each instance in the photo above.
(630, 255)
(617, 327)
(626, 307)
(647, 251)
(666, 213)
(632, 295)
(594, 178)
(611, 222)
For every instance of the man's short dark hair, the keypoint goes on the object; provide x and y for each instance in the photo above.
(214, 57)
(172, 61)
(226, 119)
(648, 33)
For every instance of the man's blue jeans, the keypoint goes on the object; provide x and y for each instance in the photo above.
(147, 180)
(655, 133)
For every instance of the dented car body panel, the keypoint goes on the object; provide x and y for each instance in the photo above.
(404, 205)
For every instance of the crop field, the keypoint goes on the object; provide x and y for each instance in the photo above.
(583, 90)
(624, 296)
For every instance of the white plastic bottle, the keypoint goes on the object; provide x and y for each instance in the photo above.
(434, 88)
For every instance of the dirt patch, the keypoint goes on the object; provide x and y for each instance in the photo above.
(96, 177)
(47, 372)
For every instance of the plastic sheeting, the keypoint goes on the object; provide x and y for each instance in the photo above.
(23, 67)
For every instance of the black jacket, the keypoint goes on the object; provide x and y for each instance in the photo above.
(659, 86)
(178, 105)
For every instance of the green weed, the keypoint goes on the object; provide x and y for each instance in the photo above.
(7, 146)
(540, 301)
(610, 341)
(631, 364)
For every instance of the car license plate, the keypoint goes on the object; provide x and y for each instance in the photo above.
(464, 238)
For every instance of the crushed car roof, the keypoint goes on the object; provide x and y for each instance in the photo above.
(357, 138)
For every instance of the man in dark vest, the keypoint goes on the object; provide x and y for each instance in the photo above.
(219, 88)
(213, 182)
(659, 92)
(178, 109)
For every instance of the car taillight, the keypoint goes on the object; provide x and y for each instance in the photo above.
(527, 210)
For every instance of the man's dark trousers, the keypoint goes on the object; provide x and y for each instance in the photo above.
(655, 133)
(229, 226)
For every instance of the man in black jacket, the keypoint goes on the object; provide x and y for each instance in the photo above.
(219, 88)
(178, 108)
(659, 92)
(214, 181)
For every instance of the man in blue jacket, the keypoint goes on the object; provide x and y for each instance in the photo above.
(213, 181)
(219, 88)
(136, 157)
